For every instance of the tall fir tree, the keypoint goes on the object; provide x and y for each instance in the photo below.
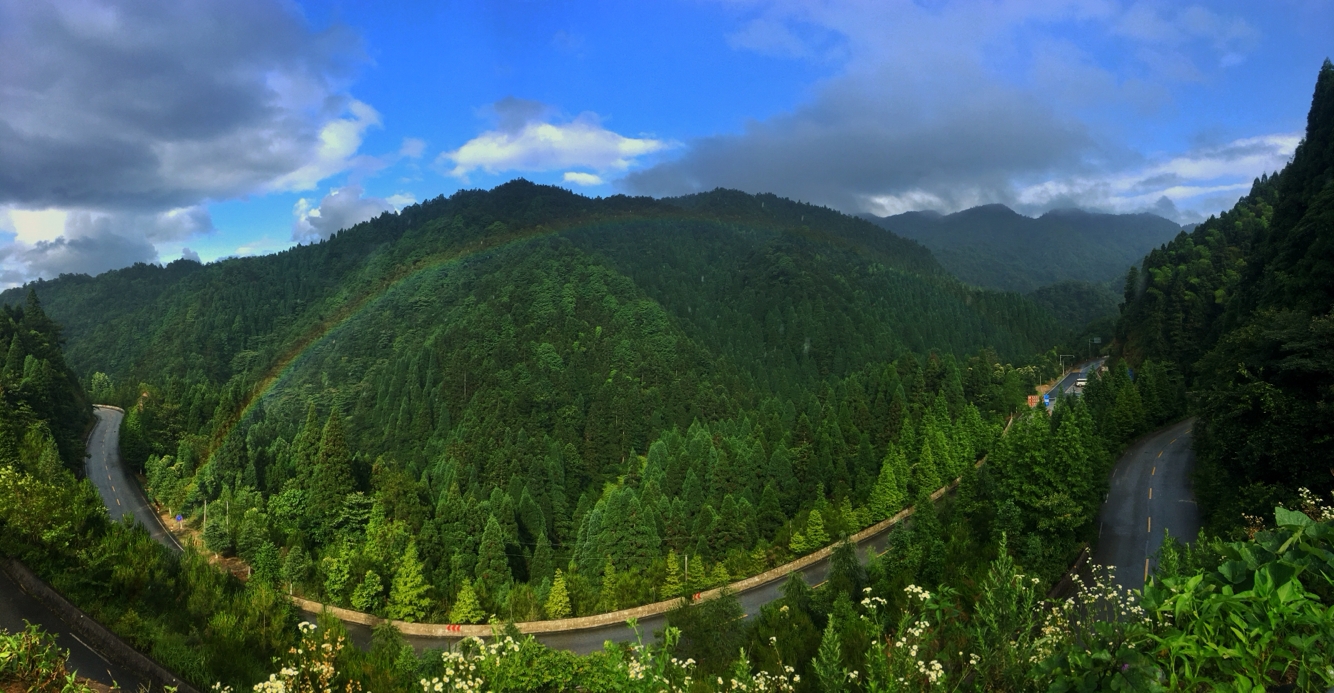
(887, 497)
(409, 598)
(331, 480)
(558, 600)
(466, 608)
(543, 561)
(671, 584)
(926, 475)
(493, 568)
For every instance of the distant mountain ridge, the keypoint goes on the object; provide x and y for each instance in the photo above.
(993, 246)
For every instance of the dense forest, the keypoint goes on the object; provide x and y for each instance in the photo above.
(549, 423)
(1241, 306)
(193, 617)
(995, 247)
(484, 390)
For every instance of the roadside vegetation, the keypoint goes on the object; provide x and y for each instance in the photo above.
(620, 418)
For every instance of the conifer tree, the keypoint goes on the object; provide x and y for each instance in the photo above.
(541, 565)
(306, 447)
(331, 478)
(828, 663)
(671, 585)
(408, 600)
(369, 595)
(466, 609)
(813, 538)
(769, 516)
(694, 573)
(296, 567)
(719, 575)
(926, 475)
(558, 600)
(337, 572)
(267, 564)
(887, 496)
(493, 568)
(607, 598)
(14, 360)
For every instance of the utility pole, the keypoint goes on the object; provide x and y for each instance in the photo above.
(1063, 358)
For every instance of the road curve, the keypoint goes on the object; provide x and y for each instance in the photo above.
(122, 495)
(18, 607)
(119, 491)
(1150, 495)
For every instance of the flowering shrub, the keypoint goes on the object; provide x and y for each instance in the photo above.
(311, 667)
(32, 660)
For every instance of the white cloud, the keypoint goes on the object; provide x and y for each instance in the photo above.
(34, 225)
(524, 142)
(412, 148)
(121, 119)
(1193, 182)
(768, 36)
(49, 242)
(339, 141)
(580, 178)
(340, 209)
(187, 254)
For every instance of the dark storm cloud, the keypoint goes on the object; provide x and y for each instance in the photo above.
(91, 254)
(860, 139)
(160, 105)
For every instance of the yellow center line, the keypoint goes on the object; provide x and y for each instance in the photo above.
(1155, 471)
(1150, 524)
(1173, 441)
(1150, 493)
(1146, 568)
(1160, 454)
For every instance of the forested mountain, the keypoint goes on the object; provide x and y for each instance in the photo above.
(1242, 305)
(1077, 303)
(42, 403)
(995, 247)
(482, 389)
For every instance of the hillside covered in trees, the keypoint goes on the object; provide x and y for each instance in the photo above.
(472, 394)
(995, 247)
(1242, 307)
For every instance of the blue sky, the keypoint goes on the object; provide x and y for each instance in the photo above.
(135, 130)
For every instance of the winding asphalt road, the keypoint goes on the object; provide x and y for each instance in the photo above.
(1150, 496)
(17, 606)
(119, 492)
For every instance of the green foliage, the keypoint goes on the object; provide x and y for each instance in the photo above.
(466, 608)
(408, 596)
(369, 594)
(32, 661)
(1273, 594)
(493, 570)
(995, 247)
(1241, 307)
(558, 600)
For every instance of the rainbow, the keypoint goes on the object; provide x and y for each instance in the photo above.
(350, 309)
